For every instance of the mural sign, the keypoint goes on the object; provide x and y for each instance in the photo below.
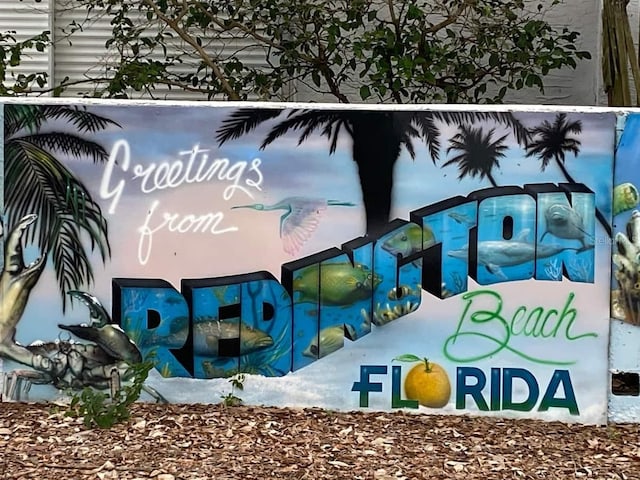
(438, 261)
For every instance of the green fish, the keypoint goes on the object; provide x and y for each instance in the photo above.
(331, 339)
(341, 284)
(410, 240)
(208, 332)
(625, 197)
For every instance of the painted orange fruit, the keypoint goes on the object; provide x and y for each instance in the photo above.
(428, 383)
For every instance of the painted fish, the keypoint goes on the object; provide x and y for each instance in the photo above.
(331, 339)
(342, 283)
(461, 218)
(625, 197)
(208, 332)
(564, 222)
(410, 240)
(494, 254)
(404, 291)
(213, 371)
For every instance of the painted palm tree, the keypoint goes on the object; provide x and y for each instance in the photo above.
(377, 139)
(37, 182)
(553, 141)
(479, 153)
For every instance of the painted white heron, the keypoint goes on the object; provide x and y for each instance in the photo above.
(300, 219)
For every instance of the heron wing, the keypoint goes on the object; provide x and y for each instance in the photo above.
(297, 225)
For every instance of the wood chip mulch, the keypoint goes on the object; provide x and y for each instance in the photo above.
(175, 442)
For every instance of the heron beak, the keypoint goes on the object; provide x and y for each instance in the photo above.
(242, 206)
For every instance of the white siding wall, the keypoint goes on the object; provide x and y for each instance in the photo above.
(83, 52)
(568, 86)
(579, 87)
(27, 19)
(75, 56)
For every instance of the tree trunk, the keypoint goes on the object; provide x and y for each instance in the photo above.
(376, 147)
(599, 215)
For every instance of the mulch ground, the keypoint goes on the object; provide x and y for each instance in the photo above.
(173, 442)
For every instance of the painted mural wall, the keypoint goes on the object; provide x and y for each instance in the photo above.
(437, 261)
(625, 293)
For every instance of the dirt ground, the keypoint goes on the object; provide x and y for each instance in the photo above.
(180, 442)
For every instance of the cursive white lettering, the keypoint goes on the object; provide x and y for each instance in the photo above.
(175, 223)
(105, 193)
(173, 174)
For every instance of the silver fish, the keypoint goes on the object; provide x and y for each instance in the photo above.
(208, 333)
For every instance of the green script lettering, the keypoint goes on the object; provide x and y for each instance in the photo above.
(491, 327)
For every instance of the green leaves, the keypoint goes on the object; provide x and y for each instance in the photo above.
(414, 51)
(12, 52)
(97, 409)
(37, 182)
(365, 92)
(407, 357)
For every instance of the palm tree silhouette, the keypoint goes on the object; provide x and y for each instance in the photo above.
(479, 153)
(36, 182)
(553, 141)
(377, 139)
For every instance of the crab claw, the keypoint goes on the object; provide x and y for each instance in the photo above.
(13, 254)
(110, 337)
(99, 315)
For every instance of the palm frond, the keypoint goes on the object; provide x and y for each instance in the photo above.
(407, 132)
(297, 120)
(478, 153)
(332, 132)
(68, 144)
(36, 182)
(87, 214)
(520, 132)
(430, 134)
(314, 123)
(70, 261)
(19, 117)
(78, 116)
(32, 117)
(242, 121)
(30, 188)
(454, 160)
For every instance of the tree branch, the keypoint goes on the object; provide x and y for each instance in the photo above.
(451, 18)
(226, 86)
